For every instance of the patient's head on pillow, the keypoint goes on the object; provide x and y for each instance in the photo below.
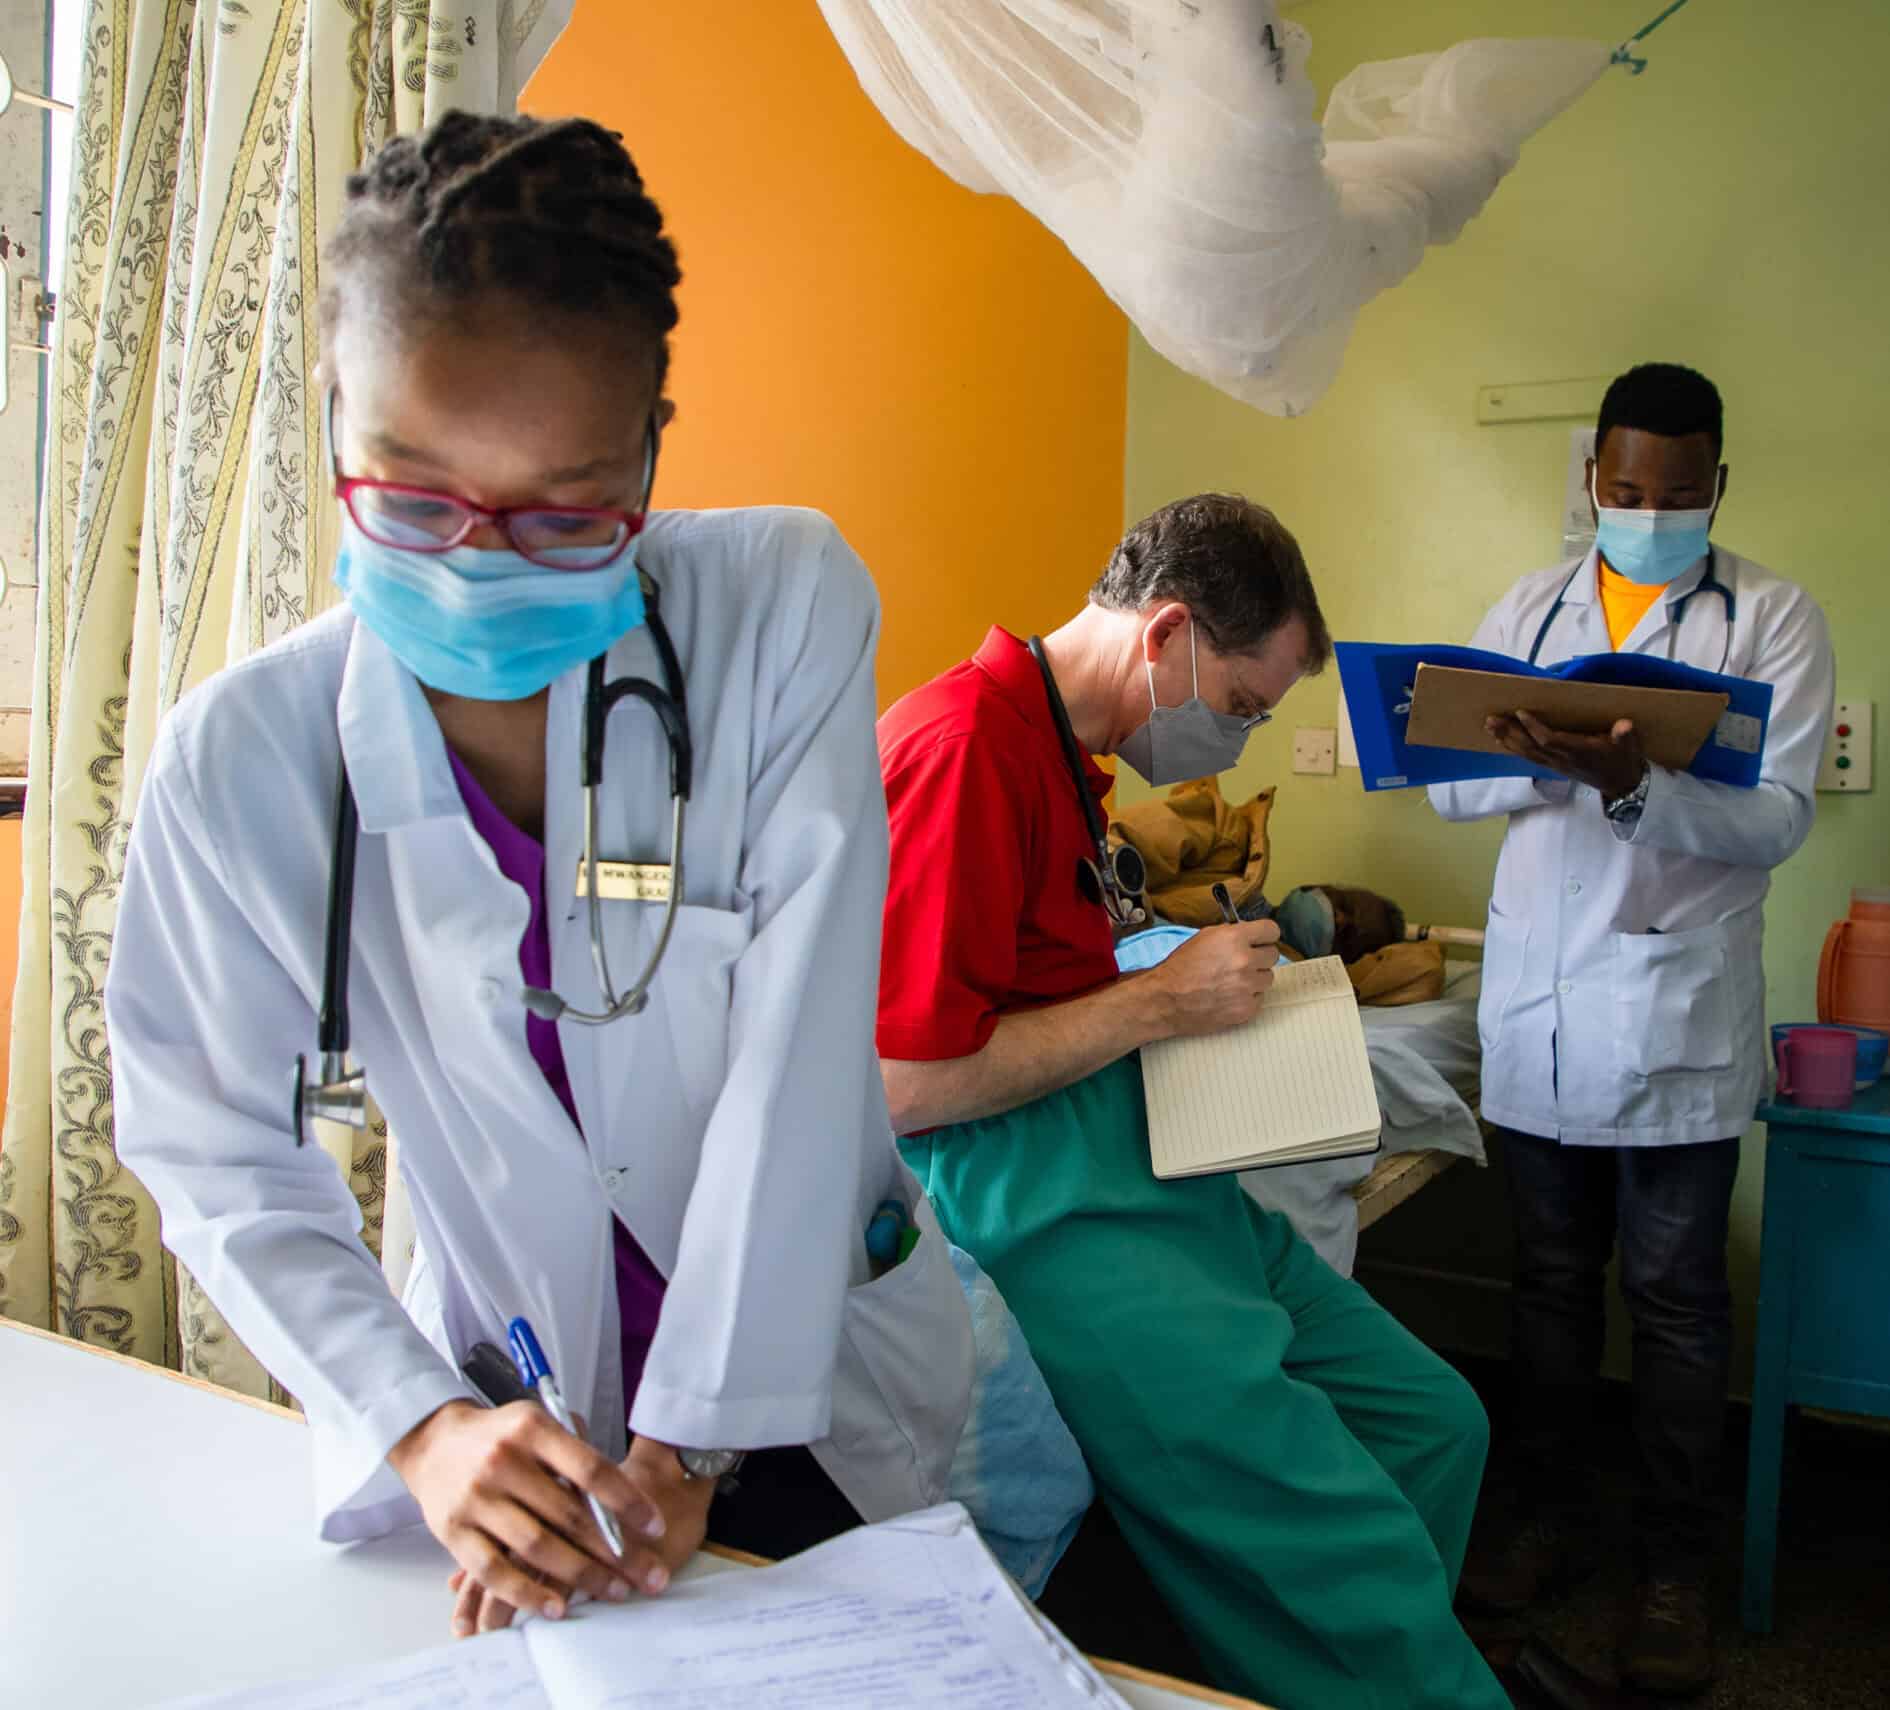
(1363, 921)
(1339, 920)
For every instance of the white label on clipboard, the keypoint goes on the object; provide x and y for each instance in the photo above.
(626, 881)
(1737, 731)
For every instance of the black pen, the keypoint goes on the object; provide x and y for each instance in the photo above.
(1229, 913)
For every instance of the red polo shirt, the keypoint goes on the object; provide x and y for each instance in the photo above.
(983, 909)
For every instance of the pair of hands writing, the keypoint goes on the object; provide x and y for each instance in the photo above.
(1611, 764)
(504, 1490)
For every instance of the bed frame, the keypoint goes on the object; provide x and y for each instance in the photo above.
(1395, 1180)
(1400, 1176)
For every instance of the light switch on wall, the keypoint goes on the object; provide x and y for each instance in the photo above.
(1316, 750)
(1847, 749)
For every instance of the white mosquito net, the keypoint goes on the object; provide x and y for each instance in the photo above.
(1172, 145)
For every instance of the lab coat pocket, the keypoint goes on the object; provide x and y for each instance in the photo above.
(1505, 952)
(1673, 1010)
(421, 1299)
(902, 1383)
(696, 985)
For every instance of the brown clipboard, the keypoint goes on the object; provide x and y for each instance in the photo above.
(1449, 707)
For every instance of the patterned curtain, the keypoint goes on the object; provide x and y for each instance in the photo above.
(183, 524)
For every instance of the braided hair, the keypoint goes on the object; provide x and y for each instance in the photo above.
(551, 213)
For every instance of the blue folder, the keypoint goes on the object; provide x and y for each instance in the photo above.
(1379, 680)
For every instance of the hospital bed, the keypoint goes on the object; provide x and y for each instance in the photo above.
(1427, 1063)
(1394, 1180)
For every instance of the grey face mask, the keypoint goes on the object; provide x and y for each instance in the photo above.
(1188, 741)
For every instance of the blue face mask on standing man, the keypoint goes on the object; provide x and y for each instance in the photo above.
(1650, 547)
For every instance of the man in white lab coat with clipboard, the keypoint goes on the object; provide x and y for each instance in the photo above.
(1622, 1017)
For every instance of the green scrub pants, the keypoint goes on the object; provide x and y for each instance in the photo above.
(1294, 1469)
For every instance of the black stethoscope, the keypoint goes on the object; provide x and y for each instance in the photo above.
(341, 1093)
(1708, 583)
(1117, 877)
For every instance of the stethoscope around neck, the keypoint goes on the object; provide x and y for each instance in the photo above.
(1708, 583)
(1117, 877)
(340, 1095)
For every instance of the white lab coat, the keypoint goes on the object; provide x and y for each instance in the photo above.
(1623, 989)
(738, 1126)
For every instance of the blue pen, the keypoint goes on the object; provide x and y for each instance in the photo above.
(535, 1369)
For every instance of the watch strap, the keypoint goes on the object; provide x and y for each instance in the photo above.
(1630, 805)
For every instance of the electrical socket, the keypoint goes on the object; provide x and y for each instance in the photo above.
(1316, 750)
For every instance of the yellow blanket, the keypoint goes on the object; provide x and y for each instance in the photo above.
(1191, 840)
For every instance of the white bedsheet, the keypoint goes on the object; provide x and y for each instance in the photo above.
(1426, 1061)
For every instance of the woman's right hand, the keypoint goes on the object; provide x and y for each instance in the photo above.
(504, 1490)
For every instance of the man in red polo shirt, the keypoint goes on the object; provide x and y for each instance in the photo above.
(1294, 1469)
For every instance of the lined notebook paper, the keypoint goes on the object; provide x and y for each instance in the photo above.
(1292, 1086)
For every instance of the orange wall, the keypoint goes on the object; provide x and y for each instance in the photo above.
(858, 333)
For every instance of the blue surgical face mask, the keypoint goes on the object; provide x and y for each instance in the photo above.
(1306, 921)
(1650, 547)
(1188, 741)
(491, 626)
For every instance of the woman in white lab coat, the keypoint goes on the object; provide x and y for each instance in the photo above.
(496, 304)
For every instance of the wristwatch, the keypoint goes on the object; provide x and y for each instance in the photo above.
(1629, 806)
(710, 1463)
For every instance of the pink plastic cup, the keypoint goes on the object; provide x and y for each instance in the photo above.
(1817, 1067)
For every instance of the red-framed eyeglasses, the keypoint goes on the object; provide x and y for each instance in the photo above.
(421, 519)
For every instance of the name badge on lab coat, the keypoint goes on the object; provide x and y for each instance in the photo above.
(626, 881)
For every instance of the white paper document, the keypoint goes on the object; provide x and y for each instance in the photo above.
(493, 1673)
(910, 1612)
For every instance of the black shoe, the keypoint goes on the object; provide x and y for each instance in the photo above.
(1667, 1639)
(1513, 1570)
(1540, 1679)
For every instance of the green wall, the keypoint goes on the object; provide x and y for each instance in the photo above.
(1726, 209)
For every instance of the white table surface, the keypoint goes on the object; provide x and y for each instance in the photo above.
(157, 1538)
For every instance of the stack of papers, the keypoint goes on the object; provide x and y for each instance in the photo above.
(911, 1612)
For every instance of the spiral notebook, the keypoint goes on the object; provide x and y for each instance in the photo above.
(1292, 1086)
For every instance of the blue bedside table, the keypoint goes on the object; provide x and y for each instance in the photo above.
(1824, 1295)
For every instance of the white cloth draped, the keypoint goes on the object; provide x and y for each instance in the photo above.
(1173, 146)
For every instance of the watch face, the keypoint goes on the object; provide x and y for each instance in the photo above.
(709, 1463)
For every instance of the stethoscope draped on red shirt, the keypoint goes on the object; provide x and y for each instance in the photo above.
(340, 1094)
(1116, 877)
